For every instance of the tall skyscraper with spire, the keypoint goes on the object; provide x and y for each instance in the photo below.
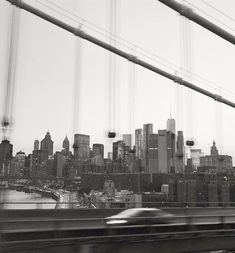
(65, 145)
(171, 125)
(47, 144)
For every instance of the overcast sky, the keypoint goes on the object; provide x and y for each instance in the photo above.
(59, 76)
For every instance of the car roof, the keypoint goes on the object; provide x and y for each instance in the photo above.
(132, 211)
(144, 209)
(139, 209)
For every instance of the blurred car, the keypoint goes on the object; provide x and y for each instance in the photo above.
(140, 216)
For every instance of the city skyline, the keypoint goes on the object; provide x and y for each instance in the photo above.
(125, 138)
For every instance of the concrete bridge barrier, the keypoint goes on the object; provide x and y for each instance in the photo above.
(102, 213)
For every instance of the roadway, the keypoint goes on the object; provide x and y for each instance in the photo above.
(49, 231)
(77, 219)
(158, 238)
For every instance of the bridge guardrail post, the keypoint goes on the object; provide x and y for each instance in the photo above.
(222, 222)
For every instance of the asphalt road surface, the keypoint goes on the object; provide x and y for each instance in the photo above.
(195, 216)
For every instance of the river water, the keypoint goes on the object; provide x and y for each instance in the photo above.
(11, 199)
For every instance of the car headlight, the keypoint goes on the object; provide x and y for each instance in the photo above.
(112, 222)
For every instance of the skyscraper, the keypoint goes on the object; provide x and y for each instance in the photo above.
(65, 145)
(162, 151)
(166, 151)
(127, 140)
(5, 157)
(36, 145)
(47, 144)
(153, 153)
(171, 146)
(195, 155)
(39, 163)
(171, 125)
(180, 153)
(18, 164)
(147, 130)
(59, 164)
(81, 146)
(118, 151)
(138, 143)
(98, 150)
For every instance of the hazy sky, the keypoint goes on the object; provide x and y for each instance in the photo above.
(59, 76)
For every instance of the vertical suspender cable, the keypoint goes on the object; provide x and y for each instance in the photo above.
(186, 59)
(187, 65)
(112, 67)
(218, 124)
(110, 74)
(132, 101)
(113, 77)
(179, 89)
(77, 116)
(7, 112)
(77, 86)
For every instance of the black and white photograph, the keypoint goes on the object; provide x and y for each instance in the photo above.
(117, 126)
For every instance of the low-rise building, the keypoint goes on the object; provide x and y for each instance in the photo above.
(110, 198)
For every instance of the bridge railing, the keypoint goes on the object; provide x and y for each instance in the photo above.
(54, 230)
(114, 234)
(105, 242)
(96, 217)
(110, 205)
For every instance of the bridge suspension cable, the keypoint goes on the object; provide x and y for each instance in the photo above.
(80, 33)
(190, 14)
(217, 10)
(134, 47)
(210, 16)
